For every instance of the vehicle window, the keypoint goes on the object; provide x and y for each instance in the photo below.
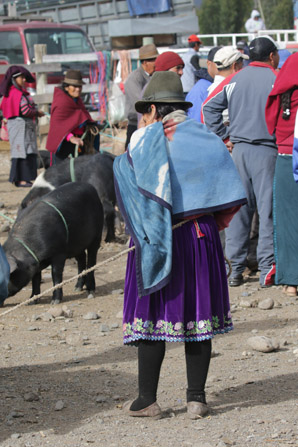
(11, 47)
(58, 41)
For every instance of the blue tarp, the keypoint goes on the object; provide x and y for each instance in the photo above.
(295, 7)
(141, 7)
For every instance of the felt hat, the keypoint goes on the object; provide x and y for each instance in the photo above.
(261, 47)
(167, 60)
(194, 38)
(13, 72)
(226, 56)
(73, 77)
(164, 87)
(148, 52)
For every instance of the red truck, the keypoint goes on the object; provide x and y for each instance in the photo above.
(17, 40)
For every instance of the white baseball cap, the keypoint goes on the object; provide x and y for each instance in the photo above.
(227, 55)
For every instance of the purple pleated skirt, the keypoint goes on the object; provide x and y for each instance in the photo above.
(194, 306)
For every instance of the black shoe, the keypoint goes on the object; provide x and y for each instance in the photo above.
(235, 281)
(265, 286)
(23, 185)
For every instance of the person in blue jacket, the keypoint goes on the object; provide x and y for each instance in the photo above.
(199, 92)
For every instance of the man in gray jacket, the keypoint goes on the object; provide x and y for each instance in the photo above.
(253, 150)
(135, 83)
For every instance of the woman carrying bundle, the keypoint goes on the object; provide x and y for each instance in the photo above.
(175, 172)
(70, 120)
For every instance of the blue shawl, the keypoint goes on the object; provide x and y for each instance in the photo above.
(175, 168)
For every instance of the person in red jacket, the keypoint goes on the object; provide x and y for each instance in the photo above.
(281, 108)
(21, 114)
(69, 118)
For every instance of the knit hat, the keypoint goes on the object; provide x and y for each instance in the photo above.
(194, 38)
(167, 60)
(164, 87)
(148, 52)
(226, 56)
(261, 47)
(73, 77)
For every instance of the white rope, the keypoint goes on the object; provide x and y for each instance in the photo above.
(84, 272)
(58, 286)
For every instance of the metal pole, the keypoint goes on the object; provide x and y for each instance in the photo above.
(261, 11)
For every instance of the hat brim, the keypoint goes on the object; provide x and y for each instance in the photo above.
(28, 76)
(141, 106)
(147, 58)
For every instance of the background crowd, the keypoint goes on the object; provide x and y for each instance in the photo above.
(239, 99)
(234, 121)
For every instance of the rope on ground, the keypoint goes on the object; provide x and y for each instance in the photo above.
(84, 272)
(58, 286)
(7, 218)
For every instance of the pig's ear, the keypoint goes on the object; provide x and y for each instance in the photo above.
(12, 263)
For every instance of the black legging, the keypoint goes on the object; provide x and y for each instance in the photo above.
(150, 358)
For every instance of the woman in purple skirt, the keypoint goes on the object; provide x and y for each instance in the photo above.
(176, 187)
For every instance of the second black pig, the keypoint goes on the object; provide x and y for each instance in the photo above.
(61, 225)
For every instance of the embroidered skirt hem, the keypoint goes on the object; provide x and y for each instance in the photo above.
(168, 338)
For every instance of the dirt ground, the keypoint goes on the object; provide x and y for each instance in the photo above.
(63, 380)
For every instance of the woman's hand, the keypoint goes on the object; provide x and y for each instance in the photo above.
(77, 141)
(40, 113)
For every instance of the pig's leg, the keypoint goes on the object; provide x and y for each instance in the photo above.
(109, 222)
(81, 259)
(36, 280)
(58, 263)
(91, 261)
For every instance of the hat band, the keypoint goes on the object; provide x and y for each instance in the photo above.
(16, 75)
(164, 95)
(73, 81)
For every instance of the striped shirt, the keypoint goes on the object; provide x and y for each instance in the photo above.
(27, 107)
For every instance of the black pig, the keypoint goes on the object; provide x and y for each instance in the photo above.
(61, 225)
(94, 169)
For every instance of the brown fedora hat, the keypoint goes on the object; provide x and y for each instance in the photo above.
(73, 77)
(148, 52)
(164, 87)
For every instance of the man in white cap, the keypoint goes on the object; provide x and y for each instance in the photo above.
(228, 60)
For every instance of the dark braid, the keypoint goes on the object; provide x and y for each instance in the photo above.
(286, 104)
(163, 109)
